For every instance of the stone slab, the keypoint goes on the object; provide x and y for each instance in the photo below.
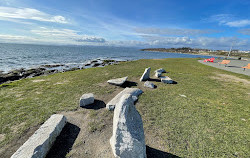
(38, 145)
(128, 140)
(166, 79)
(135, 92)
(118, 81)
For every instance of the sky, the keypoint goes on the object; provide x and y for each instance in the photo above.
(213, 24)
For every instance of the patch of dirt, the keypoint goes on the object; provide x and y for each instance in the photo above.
(61, 82)
(79, 140)
(2, 136)
(12, 147)
(231, 78)
(38, 80)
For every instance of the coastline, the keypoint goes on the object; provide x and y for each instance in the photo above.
(44, 70)
(232, 55)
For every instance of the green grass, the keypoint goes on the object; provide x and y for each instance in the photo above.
(207, 123)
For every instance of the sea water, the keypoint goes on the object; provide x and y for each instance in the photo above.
(15, 56)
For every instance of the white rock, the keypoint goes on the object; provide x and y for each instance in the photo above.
(166, 79)
(128, 140)
(38, 145)
(118, 81)
(149, 84)
(161, 70)
(158, 74)
(87, 99)
(135, 92)
(146, 74)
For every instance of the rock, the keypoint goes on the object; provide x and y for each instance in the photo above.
(118, 81)
(52, 65)
(146, 74)
(128, 140)
(158, 74)
(149, 84)
(161, 70)
(42, 140)
(96, 64)
(135, 92)
(166, 79)
(86, 99)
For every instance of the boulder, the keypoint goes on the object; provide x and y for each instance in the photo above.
(128, 140)
(166, 79)
(158, 74)
(118, 81)
(161, 70)
(42, 140)
(87, 99)
(135, 92)
(146, 74)
(149, 84)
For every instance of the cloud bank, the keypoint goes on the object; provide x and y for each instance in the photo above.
(10, 13)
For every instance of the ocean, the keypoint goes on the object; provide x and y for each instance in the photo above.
(15, 56)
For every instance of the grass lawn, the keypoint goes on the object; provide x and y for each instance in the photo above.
(211, 121)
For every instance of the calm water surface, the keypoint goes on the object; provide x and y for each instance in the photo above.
(14, 56)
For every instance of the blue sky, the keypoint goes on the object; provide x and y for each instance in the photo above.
(214, 24)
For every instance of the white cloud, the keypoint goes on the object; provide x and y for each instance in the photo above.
(229, 20)
(244, 31)
(10, 13)
(171, 31)
(238, 23)
(70, 35)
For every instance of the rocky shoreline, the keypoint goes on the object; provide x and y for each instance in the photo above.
(18, 74)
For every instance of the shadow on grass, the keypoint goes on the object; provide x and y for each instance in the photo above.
(128, 84)
(64, 141)
(155, 153)
(154, 80)
(98, 104)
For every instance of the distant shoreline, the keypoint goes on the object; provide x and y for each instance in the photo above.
(197, 52)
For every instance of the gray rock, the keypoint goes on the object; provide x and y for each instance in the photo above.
(149, 84)
(38, 145)
(158, 74)
(118, 81)
(135, 92)
(161, 70)
(128, 140)
(146, 74)
(87, 99)
(166, 79)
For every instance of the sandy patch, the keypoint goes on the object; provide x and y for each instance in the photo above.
(63, 82)
(230, 78)
(38, 80)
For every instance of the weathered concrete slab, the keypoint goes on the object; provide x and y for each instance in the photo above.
(118, 81)
(146, 75)
(149, 84)
(87, 99)
(166, 79)
(38, 145)
(135, 92)
(128, 140)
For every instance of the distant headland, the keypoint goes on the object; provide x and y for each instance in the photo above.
(188, 50)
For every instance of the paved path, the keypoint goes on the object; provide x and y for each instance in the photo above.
(234, 66)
